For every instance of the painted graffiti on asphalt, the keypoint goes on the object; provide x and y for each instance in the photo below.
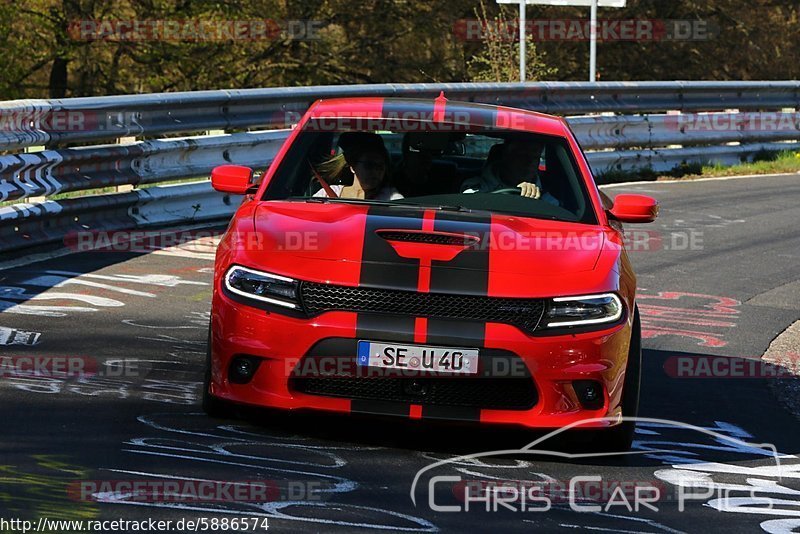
(189, 441)
(12, 296)
(699, 317)
(166, 376)
(12, 336)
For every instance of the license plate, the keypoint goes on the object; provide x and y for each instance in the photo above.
(418, 357)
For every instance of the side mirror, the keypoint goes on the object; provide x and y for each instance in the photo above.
(231, 179)
(634, 208)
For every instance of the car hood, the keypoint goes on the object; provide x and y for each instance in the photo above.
(414, 248)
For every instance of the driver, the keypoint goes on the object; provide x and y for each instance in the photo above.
(514, 164)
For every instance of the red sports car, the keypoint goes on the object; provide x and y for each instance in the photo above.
(428, 259)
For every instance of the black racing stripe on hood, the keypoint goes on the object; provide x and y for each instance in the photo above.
(468, 272)
(381, 266)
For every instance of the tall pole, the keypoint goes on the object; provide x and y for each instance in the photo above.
(592, 27)
(592, 43)
(522, 40)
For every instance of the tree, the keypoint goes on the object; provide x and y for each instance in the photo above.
(374, 41)
(498, 60)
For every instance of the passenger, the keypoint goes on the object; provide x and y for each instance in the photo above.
(512, 164)
(364, 158)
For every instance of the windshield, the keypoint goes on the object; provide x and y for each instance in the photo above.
(510, 172)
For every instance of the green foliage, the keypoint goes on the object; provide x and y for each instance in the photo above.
(498, 60)
(374, 41)
(619, 176)
(687, 168)
(764, 162)
(766, 155)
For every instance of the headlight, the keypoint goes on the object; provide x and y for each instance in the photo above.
(582, 311)
(262, 286)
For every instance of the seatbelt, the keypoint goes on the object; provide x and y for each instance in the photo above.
(328, 189)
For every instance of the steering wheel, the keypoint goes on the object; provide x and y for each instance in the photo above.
(508, 191)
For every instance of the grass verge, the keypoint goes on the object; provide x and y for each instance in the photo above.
(764, 162)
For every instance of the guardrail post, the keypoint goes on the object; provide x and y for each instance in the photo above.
(124, 188)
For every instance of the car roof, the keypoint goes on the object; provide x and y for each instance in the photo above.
(441, 111)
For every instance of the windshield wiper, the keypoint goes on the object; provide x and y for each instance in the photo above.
(443, 207)
(323, 200)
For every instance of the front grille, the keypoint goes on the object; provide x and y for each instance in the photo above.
(523, 313)
(487, 393)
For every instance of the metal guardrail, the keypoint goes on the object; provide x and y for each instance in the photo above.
(72, 169)
(164, 113)
(26, 225)
(664, 160)
(57, 171)
(639, 127)
(662, 130)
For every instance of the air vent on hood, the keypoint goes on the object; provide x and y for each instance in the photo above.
(432, 238)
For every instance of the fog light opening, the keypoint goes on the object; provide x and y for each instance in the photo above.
(590, 393)
(242, 369)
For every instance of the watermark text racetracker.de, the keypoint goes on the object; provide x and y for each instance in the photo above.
(58, 366)
(176, 490)
(69, 120)
(748, 122)
(204, 241)
(145, 241)
(787, 366)
(608, 30)
(194, 30)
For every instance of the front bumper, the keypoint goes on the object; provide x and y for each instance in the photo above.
(283, 344)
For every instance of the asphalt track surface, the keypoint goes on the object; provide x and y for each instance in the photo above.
(717, 277)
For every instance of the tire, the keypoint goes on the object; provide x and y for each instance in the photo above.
(620, 437)
(212, 406)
